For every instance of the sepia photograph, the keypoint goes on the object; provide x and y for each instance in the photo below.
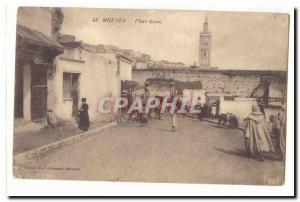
(145, 95)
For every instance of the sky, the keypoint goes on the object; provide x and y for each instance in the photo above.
(240, 40)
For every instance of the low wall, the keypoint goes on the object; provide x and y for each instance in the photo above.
(194, 94)
(240, 107)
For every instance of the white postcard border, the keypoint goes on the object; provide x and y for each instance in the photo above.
(79, 188)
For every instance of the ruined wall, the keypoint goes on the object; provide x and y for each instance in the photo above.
(241, 84)
(140, 65)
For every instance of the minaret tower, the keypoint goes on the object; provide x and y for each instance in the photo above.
(205, 46)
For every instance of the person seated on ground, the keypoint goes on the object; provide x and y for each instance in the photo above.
(257, 136)
(222, 119)
(232, 120)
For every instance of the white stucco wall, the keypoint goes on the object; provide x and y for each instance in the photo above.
(98, 78)
(240, 107)
(36, 18)
(277, 90)
(191, 94)
(56, 102)
(125, 71)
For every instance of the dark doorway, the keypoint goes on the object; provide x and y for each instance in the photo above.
(38, 92)
(75, 94)
(18, 99)
(71, 90)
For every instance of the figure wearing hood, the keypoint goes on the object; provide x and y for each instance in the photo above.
(258, 139)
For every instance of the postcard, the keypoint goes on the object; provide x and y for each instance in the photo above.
(140, 95)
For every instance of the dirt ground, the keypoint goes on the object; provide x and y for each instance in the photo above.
(198, 152)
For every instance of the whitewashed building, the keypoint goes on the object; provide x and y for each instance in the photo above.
(80, 73)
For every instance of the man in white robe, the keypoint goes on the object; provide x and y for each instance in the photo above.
(258, 139)
(174, 121)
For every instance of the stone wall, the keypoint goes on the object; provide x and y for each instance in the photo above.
(240, 83)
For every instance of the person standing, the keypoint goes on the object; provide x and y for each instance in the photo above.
(218, 107)
(214, 110)
(257, 137)
(198, 107)
(261, 106)
(280, 129)
(174, 121)
(84, 121)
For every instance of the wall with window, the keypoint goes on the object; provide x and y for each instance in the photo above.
(60, 85)
(93, 77)
(70, 85)
(71, 54)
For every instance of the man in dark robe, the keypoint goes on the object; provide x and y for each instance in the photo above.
(84, 121)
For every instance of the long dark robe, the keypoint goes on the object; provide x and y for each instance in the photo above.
(84, 121)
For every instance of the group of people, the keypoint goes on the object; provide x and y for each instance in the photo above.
(258, 139)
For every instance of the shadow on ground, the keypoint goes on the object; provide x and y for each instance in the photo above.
(244, 154)
(237, 152)
(223, 127)
(165, 130)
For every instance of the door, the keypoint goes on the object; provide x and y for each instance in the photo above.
(38, 92)
(75, 94)
(18, 101)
